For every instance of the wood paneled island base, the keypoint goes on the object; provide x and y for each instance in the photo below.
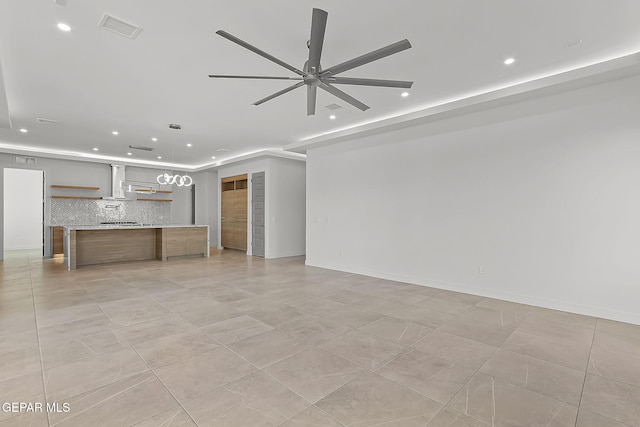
(99, 245)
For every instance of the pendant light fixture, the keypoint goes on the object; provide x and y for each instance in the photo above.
(169, 179)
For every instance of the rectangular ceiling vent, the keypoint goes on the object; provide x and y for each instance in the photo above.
(24, 160)
(333, 107)
(119, 26)
(42, 121)
(140, 147)
(60, 2)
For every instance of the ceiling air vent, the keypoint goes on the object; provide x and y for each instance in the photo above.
(119, 26)
(60, 2)
(24, 160)
(42, 121)
(140, 147)
(333, 106)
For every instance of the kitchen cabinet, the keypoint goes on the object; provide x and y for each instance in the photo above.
(184, 241)
(57, 239)
(90, 245)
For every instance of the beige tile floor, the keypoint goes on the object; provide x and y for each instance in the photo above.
(240, 341)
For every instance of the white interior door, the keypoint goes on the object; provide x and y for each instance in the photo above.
(23, 209)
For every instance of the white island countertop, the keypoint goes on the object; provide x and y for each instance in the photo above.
(127, 226)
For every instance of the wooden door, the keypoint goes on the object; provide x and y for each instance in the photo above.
(234, 212)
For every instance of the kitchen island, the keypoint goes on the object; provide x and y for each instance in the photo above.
(103, 244)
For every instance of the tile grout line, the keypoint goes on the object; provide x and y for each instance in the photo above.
(165, 387)
(35, 320)
(477, 370)
(150, 370)
(219, 386)
(312, 404)
(545, 361)
(586, 371)
(130, 346)
(411, 349)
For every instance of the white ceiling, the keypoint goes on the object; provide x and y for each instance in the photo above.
(94, 81)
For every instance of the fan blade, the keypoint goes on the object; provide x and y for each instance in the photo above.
(344, 96)
(368, 57)
(318, 26)
(219, 76)
(367, 82)
(259, 52)
(282, 92)
(311, 100)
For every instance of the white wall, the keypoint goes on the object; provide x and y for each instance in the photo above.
(206, 183)
(287, 208)
(284, 203)
(23, 210)
(543, 196)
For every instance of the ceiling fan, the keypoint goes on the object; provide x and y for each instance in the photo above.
(313, 76)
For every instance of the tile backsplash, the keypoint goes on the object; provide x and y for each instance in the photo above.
(90, 212)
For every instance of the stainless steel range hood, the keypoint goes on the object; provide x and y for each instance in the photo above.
(117, 183)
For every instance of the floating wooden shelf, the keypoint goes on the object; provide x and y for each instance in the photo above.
(154, 200)
(157, 191)
(75, 197)
(76, 187)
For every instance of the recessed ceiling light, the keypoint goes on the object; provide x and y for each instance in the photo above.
(159, 157)
(64, 27)
(128, 154)
(95, 149)
(332, 117)
(509, 61)
(23, 130)
(404, 94)
(189, 145)
(154, 139)
(213, 157)
(115, 132)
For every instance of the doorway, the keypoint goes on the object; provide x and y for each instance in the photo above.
(233, 209)
(24, 210)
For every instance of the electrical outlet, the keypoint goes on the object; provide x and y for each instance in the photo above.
(481, 269)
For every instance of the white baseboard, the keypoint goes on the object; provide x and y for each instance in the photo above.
(21, 248)
(602, 312)
(286, 254)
